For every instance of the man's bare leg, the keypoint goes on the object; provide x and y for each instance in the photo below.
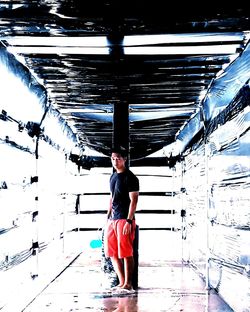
(119, 269)
(128, 272)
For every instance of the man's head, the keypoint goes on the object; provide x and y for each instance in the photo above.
(118, 159)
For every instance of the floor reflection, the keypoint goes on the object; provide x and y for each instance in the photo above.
(121, 304)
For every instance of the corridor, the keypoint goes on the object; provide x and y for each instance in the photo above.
(171, 88)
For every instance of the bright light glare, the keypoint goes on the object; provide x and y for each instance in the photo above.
(173, 50)
(132, 44)
(58, 41)
(181, 38)
(20, 104)
(58, 45)
(58, 50)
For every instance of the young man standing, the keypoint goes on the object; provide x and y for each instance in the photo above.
(120, 231)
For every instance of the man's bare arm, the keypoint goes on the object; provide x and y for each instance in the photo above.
(133, 204)
(110, 207)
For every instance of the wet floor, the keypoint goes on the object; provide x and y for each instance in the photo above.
(163, 285)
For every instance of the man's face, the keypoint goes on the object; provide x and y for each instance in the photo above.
(118, 162)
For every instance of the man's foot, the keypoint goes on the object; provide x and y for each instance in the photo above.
(126, 290)
(117, 287)
(126, 286)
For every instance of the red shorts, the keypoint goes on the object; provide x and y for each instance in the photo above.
(116, 244)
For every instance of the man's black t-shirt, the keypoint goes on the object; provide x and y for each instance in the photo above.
(120, 186)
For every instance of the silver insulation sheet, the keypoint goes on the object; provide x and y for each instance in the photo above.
(37, 207)
(216, 178)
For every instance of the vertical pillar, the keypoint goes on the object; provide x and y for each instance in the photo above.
(35, 238)
(207, 190)
(207, 195)
(121, 126)
(136, 258)
(120, 138)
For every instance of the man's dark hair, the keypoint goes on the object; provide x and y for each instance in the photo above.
(121, 151)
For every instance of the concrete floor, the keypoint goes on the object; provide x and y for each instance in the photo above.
(164, 285)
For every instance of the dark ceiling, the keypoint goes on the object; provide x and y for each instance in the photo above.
(162, 90)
